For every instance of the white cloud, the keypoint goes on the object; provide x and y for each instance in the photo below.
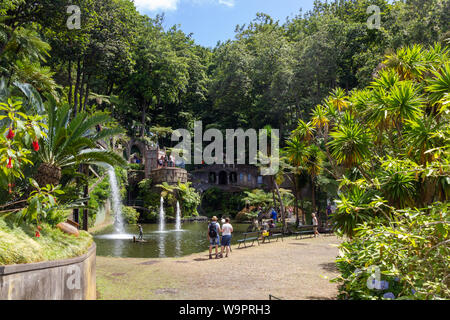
(171, 5)
(228, 3)
(154, 5)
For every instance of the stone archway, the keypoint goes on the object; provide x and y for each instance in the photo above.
(134, 146)
(223, 178)
(233, 177)
(212, 178)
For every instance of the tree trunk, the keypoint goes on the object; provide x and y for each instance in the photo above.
(86, 194)
(81, 92)
(313, 195)
(144, 115)
(297, 218)
(86, 94)
(77, 85)
(111, 87)
(282, 211)
(70, 81)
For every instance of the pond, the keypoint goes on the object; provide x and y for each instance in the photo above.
(169, 243)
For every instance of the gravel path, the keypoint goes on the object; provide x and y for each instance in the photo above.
(292, 269)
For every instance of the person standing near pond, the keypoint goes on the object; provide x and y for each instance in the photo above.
(141, 233)
(213, 236)
(227, 230)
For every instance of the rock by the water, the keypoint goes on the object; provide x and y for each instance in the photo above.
(67, 228)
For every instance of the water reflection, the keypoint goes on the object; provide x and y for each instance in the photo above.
(162, 244)
(169, 243)
(178, 244)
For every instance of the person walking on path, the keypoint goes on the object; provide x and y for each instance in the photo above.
(315, 224)
(227, 230)
(213, 236)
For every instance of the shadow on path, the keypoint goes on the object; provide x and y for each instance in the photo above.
(329, 266)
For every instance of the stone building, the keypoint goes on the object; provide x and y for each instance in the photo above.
(138, 151)
(228, 177)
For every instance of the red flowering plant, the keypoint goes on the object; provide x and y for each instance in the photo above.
(19, 138)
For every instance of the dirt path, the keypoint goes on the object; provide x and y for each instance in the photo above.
(292, 269)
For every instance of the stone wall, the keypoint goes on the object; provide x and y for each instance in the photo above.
(244, 176)
(169, 175)
(69, 279)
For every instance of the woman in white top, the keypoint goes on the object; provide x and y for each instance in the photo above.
(227, 230)
(315, 224)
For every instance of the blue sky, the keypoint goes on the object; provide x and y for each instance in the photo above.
(214, 20)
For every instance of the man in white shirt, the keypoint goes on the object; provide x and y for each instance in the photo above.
(227, 229)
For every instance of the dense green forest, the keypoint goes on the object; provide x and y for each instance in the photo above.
(272, 73)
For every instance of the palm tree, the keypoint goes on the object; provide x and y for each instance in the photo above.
(399, 185)
(320, 118)
(338, 99)
(403, 103)
(71, 143)
(314, 164)
(421, 136)
(296, 152)
(407, 62)
(439, 88)
(304, 131)
(350, 145)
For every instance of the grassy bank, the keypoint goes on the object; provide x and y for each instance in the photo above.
(18, 243)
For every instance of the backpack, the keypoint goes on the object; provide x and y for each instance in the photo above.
(212, 230)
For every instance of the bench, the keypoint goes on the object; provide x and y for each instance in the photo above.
(326, 231)
(274, 233)
(249, 236)
(304, 229)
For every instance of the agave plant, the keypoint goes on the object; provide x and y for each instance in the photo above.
(72, 142)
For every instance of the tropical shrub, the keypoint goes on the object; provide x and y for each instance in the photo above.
(388, 146)
(19, 137)
(216, 201)
(407, 258)
(187, 196)
(130, 215)
(42, 205)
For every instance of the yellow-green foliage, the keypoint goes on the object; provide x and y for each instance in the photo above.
(18, 243)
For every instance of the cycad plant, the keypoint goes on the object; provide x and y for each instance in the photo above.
(72, 142)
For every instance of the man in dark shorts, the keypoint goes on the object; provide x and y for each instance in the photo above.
(213, 236)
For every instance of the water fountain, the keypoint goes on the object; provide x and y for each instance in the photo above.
(178, 218)
(162, 222)
(116, 200)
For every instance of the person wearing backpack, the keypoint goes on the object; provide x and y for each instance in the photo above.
(213, 236)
